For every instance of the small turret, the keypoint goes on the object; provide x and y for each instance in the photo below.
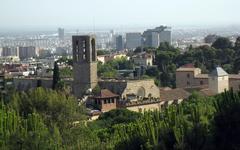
(218, 80)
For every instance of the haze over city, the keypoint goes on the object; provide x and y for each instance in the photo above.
(119, 74)
(89, 14)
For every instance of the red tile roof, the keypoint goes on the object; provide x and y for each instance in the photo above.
(188, 66)
(105, 93)
(174, 94)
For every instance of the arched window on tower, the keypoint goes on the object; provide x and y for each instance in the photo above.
(93, 44)
(84, 50)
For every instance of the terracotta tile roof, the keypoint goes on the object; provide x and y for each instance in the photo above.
(188, 66)
(105, 93)
(174, 94)
(234, 76)
(186, 69)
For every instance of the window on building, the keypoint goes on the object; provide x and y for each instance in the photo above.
(93, 50)
(201, 82)
(84, 50)
(112, 100)
(109, 101)
(105, 101)
(188, 75)
(188, 83)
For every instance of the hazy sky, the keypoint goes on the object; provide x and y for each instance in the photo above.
(84, 13)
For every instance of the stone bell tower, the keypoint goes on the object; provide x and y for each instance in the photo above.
(84, 64)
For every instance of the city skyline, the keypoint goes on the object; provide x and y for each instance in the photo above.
(45, 14)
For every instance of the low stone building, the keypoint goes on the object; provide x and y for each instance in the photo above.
(216, 82)
(190, 77)
(143, 59)
(105, 100)
(131, 89)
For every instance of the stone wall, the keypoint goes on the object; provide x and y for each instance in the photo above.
(108, 106)
(234, 83)
(115, 86)
(153, 106)
(137, 87)
(190, 78)
(218, 84)
(24, 84)
(147, 107)
(85, 77)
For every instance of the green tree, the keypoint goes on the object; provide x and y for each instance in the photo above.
(226, 121)
(56, 76)
(236, 65)
(222, 43)
(237, 44)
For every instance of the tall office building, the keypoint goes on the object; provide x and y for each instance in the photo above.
(10, 51)
(166, 36)
(153, 37)
(84, 64)
(61, 51)
(27, 52)
(61, 33)
(133, 40)
(1, 51)
(119, 43)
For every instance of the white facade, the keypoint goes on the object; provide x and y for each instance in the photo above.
(143, 60)
(218, 81)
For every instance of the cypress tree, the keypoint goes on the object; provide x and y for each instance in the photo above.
(56, 76)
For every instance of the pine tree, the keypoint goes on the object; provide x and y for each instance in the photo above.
(56, 76)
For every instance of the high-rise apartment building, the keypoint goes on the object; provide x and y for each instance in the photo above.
(61, 33)
(27, 52)
(10, 51)
(133, 40)
(166, 36)
(153, 37)
(119, 43)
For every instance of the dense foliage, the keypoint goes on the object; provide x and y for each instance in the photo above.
(198, 124)
(46, 119)
(38, 119)
(109, 69)
(221, 53)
